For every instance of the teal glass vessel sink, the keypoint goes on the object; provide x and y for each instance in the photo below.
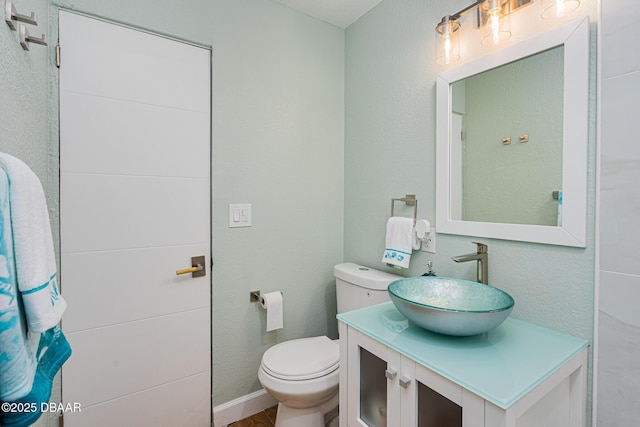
(450, 306)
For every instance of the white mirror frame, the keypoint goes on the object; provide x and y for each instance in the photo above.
(575, 38)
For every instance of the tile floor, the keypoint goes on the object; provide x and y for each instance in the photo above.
(266, 418)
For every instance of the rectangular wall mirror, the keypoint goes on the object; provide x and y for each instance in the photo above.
(512, 141)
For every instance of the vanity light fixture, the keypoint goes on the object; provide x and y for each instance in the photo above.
(447, 44)
(493, 19)
(498, 26)
(558, 8)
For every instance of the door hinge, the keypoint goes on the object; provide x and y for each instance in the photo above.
(58, 55)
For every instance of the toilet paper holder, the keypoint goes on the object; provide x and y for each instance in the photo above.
(254, 296)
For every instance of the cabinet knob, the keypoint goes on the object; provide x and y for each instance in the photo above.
(404, 382)
(390, 373)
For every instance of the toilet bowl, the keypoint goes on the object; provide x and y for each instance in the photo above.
(302, 375)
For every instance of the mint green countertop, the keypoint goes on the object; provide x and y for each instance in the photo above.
(500, 366)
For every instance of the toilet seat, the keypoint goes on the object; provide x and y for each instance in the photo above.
(302, 359)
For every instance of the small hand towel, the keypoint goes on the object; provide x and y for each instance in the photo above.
(33, 245)
(399, 241)
(17, 364)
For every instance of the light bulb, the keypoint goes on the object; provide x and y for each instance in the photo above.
(447, 49)
(447, 46)
(494, 23)
(497, 22)
(552, 9)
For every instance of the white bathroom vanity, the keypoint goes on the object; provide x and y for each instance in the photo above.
(393, 373)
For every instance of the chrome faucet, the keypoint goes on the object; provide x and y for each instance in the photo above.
(482, 257)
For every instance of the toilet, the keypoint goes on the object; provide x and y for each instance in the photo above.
(302, 374)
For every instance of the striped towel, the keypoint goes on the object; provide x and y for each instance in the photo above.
(34, 255)
(28, 360)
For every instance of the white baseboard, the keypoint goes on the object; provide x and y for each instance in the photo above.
(242, 407)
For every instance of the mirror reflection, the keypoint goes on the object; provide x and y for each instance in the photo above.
(506, 142)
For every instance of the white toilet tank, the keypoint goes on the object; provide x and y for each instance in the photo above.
(358, 286)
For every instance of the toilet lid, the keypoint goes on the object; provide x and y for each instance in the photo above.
(302, 359)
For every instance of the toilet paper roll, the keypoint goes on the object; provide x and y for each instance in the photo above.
(272, 302)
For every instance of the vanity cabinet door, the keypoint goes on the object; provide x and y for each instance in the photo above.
(442, 403)
(372, 389)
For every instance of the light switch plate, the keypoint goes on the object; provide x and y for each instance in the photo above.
(239, 215)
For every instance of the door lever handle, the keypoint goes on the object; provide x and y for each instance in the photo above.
(189, 270)
(196, 269)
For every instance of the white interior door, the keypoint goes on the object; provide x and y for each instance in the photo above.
(134, 208)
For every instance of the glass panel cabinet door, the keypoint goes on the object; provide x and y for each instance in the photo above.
(373, 398)
(435, 410)
(373, 390)
(441, 403)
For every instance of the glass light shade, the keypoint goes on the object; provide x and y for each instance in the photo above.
(552, 9)
(498, 27)
(447, 43)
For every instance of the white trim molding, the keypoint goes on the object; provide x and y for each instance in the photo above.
(242, 407)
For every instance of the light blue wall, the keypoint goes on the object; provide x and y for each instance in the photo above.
(278, 144)
(278, 140)
(390, 151)
(24, 110)
(619, 320)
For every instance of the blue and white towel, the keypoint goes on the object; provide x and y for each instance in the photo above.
(28, 360)
(52, 350)
(399, 242)
(33, 245)
(17, 368)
